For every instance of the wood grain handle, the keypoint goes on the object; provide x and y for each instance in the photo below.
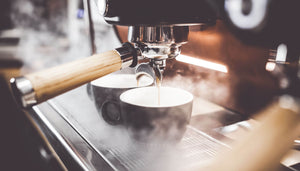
(54, 81)
(264, 147)
(38, 87)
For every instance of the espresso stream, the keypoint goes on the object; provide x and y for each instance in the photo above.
(158, 85)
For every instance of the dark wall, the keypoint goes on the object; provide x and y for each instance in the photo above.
(20, 143)
(5, 20)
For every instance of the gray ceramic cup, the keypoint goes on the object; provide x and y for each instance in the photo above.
(147, 120)
(105, 93)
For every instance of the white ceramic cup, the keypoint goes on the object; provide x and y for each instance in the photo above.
(147, 120)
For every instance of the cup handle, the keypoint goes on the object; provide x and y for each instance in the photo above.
(111, 112)
(89, 91)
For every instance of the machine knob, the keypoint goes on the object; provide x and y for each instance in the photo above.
(246, 14)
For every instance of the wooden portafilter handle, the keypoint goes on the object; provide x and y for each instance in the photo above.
(266, 144)
(38, 87)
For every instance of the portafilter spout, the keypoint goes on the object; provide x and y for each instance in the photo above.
(154, 70)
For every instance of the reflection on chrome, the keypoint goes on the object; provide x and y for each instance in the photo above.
(202, 63)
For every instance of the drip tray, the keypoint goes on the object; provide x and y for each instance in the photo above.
(194, 149)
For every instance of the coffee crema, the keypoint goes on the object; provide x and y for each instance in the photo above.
(147, 96)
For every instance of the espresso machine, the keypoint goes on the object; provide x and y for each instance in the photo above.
(152, 36)
(156, 31)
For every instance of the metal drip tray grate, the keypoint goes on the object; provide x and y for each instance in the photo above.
(195, 148)
(198, 147)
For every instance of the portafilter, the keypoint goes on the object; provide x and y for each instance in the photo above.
(157, 29)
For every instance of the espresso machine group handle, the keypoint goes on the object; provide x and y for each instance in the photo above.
(268, 142)
(38, 87)
(51, 82)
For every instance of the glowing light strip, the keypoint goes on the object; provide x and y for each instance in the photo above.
(202, 63)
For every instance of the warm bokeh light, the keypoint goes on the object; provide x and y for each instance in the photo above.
(270, 66)
(202, 63)
(281, 53)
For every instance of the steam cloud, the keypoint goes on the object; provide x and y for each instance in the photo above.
(210, 85)
(49, 34)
